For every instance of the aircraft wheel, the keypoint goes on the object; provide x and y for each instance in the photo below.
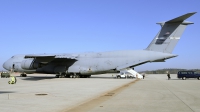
(88, 76)
(57, 76)
(83, 76)
(23, 75)
(77, 76)
(67, 76)
(61, 76)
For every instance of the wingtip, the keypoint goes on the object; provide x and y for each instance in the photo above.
(192, 13)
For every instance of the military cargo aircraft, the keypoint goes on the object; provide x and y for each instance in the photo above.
(85, 64)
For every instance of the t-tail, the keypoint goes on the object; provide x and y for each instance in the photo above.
(170, 33)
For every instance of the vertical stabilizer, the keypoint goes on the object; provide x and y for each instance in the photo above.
(169, 35)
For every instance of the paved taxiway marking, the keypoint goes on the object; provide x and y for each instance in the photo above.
(96, 101)
(175, 95)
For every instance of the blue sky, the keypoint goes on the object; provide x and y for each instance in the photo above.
(73, 26)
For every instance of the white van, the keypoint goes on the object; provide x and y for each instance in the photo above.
(125, 75)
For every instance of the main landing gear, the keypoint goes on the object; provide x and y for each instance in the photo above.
(72, 75)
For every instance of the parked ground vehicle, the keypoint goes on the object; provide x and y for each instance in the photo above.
(5, 74)
(188, 74)
(124, 75)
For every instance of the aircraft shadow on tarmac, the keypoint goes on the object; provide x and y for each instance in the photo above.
(184, 80)
(6, 92)
(37, 78)
(34, 78)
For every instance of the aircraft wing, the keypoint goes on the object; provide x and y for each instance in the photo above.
(45, 58)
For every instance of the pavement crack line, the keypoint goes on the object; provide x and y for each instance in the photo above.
(175, 95)
(99, 99)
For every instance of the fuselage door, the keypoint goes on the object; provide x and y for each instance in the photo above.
(16, 66)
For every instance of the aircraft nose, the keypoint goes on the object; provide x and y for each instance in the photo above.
(5, 65)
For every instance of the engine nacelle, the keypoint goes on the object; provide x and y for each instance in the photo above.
(29, 64)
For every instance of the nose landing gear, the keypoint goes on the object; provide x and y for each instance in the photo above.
(23, 75)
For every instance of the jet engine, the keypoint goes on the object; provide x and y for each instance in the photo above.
(29, 64)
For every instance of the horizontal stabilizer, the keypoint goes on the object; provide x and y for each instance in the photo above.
(181, 18)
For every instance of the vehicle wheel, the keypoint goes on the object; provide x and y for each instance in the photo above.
(184, 78)
(198, 78)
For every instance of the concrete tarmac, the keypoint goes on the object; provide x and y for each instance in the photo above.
(44, 93)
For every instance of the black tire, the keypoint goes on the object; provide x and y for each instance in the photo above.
(184, 78)
(88, 76)
(198, 78)
(57, 76)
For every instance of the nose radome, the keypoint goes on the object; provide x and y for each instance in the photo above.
(5, 65)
